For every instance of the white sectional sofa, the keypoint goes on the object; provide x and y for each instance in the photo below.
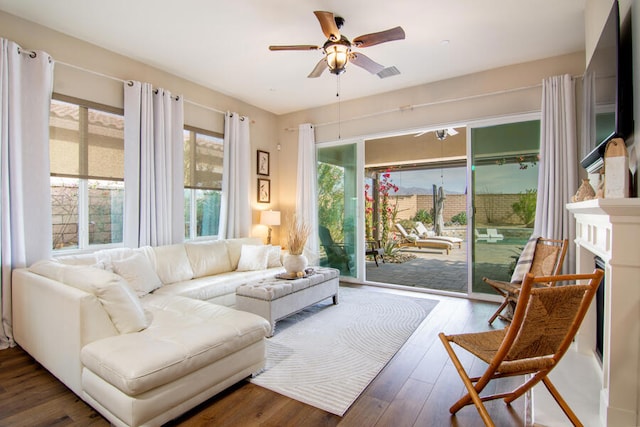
(134, 332)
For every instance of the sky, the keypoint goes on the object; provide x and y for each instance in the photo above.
(495, 179)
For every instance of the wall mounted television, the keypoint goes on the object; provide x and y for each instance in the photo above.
(608, 91)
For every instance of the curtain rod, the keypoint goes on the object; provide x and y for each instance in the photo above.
(426, 104)
(97, 73)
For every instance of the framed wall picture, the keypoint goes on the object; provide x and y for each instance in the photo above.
(263, 163)
(264, 190)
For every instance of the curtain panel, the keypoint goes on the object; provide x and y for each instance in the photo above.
(26, 82)
(154, 168)
(235, 205)
(558, 170)
(306, 190)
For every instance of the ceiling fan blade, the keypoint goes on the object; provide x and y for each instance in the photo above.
(328, 24)
(295, 47)
(452, 131)
(319, 69)
(367, 40)
(365, 62)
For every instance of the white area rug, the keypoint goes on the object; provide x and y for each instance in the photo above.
(326, 355)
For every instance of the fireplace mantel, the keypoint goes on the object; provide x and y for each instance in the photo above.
(610, 229)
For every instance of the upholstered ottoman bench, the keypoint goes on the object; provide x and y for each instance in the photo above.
(276, 298)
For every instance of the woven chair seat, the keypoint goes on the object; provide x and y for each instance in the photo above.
(485, 345)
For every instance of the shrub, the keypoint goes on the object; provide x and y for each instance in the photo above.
(423, 216)
(460, 218)
(525, 207)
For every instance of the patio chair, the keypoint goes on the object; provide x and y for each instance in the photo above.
(425, 233)
(540, 257)
(375, 250)
(481, 236)
(544, 324)
(494, 236)
(337, 254)
(412, 239)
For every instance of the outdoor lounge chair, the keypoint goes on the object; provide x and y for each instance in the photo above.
(424, 233)
(412, 239)
(481, 236)
(540, 257)
(491, 236)
(494, 236)
(544, 324)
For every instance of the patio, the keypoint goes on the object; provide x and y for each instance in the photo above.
(435, 270)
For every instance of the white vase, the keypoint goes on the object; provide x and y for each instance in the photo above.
(295, 263)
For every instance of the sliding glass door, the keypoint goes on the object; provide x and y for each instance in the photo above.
(338, 207)
(504, 168)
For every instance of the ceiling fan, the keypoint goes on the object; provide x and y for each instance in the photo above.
(441, 134)
(338, 49)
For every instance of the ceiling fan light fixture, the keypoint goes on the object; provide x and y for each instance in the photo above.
(337, 55)
(441, 134)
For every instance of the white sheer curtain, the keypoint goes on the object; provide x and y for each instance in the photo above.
(26, 80)
(558, 170)
(235, 207)
(306, 190)
(154, 169)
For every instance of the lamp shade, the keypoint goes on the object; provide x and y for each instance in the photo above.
(337, 55)
(270, 218)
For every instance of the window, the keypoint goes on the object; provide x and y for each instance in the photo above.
(87, 173)
(203, 159)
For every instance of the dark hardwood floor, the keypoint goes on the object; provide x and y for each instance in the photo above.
(416, 388)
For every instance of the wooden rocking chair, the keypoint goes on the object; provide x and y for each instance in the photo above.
(547, 260)
(545, 322)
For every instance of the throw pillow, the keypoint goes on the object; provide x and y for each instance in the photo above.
(253, 257)
(234, 246)
(138, 272)
(524, 261)
(119, 301)
(274, 257)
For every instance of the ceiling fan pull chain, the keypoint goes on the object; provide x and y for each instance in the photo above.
(338, 96)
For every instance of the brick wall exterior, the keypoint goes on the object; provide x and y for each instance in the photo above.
(65, 216)
(490, 208)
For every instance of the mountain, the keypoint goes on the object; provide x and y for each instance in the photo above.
(408, 191)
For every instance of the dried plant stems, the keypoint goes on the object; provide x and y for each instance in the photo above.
(298, 234)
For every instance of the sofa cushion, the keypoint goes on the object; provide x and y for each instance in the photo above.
(172, 264)
(235, 248)
(274, 257)
(185, 336)
(115, 295)
(253, 257)
(138, 272)
(208, 258)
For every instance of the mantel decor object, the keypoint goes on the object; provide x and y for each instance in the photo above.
(585, 192)
(616, 170)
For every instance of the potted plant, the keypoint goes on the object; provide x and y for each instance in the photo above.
(295, 262)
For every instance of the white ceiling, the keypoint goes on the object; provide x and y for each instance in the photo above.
(223, 45)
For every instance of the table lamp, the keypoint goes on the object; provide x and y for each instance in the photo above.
(269, 218)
